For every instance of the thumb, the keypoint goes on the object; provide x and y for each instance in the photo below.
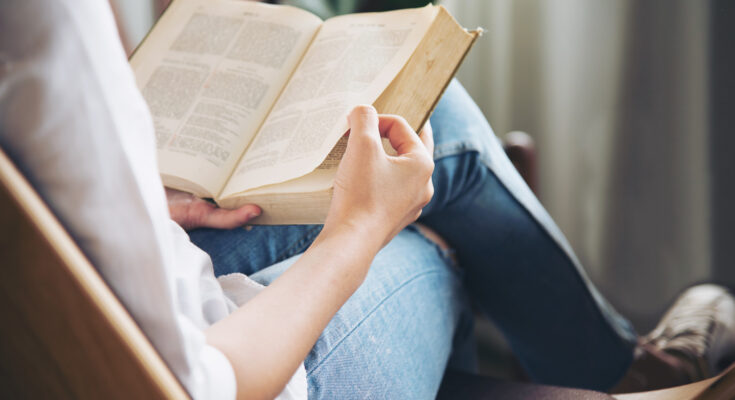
(363, 120)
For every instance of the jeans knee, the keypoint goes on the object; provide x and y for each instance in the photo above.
(456, 179)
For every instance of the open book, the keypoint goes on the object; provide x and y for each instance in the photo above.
(250, 100)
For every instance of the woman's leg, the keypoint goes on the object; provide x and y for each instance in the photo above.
(518, 267)
(394, 336)
(252, 248)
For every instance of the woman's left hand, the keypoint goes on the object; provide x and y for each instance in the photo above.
(192, 212)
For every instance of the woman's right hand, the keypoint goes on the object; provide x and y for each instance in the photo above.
(377, 193)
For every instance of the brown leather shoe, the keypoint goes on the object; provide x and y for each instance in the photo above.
(694, 340)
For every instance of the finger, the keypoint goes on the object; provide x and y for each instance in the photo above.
(210, 216)
(427, 137)
(363, 120)
(402, 137)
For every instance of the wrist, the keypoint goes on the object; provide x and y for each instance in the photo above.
(364, 232)
(348, 247)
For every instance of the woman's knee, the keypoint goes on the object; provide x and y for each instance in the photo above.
(458, 122)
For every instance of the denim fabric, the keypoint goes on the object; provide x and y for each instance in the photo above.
(410, 318)
(394, 337)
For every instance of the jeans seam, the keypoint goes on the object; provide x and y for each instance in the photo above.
(368, 315)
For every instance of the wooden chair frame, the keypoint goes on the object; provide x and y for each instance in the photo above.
(65, 335)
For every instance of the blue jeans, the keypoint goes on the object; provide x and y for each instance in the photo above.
(411, 317)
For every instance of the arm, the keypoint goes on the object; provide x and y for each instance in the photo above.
(375, 196)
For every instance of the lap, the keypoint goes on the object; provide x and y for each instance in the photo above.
(400, 325)
(519, 267)
(250, 249)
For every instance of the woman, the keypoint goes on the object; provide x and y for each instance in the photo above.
(372, 308)
(411, 316)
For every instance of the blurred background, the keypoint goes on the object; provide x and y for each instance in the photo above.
(632, 107)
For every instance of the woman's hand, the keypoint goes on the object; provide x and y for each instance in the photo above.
(375, 196)
(377, 193)
(192, 212)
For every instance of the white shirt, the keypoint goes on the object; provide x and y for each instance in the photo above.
(73, 119)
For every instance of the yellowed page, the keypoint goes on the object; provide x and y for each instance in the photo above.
(351, 61)
(303, 200)
(210, 71)
(315, 181)
(320, 179)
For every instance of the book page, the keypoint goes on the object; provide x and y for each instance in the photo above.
(351, 61)
(210, 71)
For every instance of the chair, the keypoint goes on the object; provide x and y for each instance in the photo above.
(66, 336)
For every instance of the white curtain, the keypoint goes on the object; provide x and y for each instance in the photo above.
(615, 94)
